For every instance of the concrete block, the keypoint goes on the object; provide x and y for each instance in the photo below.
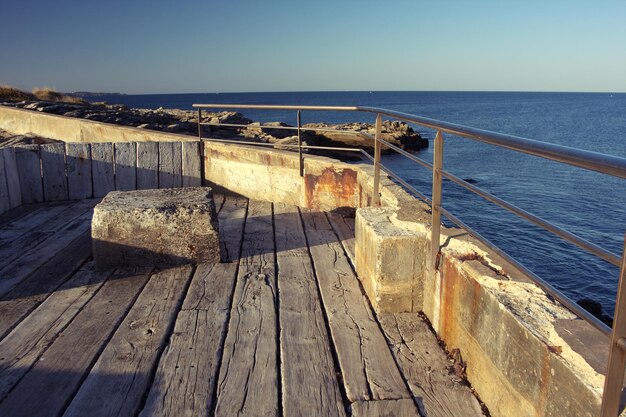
(389, 261)
(155, 227)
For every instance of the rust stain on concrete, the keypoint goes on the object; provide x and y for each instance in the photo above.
(336, 185)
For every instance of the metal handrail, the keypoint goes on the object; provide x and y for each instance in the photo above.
(606, 164)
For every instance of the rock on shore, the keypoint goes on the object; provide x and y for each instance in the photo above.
(185, 122)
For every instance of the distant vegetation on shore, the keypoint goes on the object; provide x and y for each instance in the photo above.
(8, 93)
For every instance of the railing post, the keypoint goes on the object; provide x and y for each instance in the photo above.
(300, 159)
(377, 153)
(617, 352)
(436, 201)
(199, 123)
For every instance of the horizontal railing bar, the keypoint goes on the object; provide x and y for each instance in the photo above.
(607, 164)
(275, 107)
(309, 129)
(559, 296)
(368, 156)
(407, 154)
(570, 237)
(405, 184)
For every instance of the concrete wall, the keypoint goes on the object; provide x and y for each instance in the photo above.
(72, 129)
(270, 175)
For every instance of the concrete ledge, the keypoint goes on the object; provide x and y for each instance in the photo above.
(73, 129)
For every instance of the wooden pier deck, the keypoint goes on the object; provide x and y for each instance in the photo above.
(280, 328)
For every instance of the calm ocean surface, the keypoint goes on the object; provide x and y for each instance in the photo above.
(585, 203)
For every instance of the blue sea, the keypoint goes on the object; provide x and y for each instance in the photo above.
(589, 204)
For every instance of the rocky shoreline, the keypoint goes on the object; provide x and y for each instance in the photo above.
(185, 122)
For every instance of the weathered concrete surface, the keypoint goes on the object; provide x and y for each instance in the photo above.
(71, 129)
(389, 261)
(155, 227)
(271, 175)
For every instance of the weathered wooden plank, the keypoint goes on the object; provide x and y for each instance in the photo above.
(38, 215)
(21, 348)
(191, 164)
(133, 350)
(309, 379)
(60, 370)
(248, 380)
(427, 369)
(231, 219)
(186, 376)
(25, 265)
(18, 244)
(102, 169)
(343, 225)
(218, 199)
(53, 168)
(385, 408)
(368, 368)
(12, 177)
(147, 165)
(177, 164)
(29, 168)
(4, 190)
(79, 170)
(125, 166)
(17, 213)
(166, 168)
(29, 293)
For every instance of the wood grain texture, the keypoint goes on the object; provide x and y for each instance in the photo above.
(30, 223)
(309, 378)
(125, 166)
(231, 220)
(186, 376)
(18, 212)
(102, 168)
(29, 168)
(385, 408)
(177, 164)
(29, 293)
(53, 168)
(368, 369)
(427, 369)
(60, 370)
(12, 177)
(192, 177)
(18, 243)
(4, 190)
(170, 165)
(119, 379)
(248, 381)
(34, 258)
(79, 170)
(147, 165)
(343, 225)
(23, 346)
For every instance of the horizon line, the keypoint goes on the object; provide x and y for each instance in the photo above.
(353, 91)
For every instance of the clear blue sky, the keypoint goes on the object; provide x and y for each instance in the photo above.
(141, 46)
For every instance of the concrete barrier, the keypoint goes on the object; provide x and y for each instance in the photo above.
(72, 129)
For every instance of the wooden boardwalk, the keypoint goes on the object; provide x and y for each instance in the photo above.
(280, 328)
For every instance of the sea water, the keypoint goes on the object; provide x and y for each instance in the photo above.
(588, 204)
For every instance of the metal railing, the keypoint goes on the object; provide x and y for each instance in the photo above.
(606, 164)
